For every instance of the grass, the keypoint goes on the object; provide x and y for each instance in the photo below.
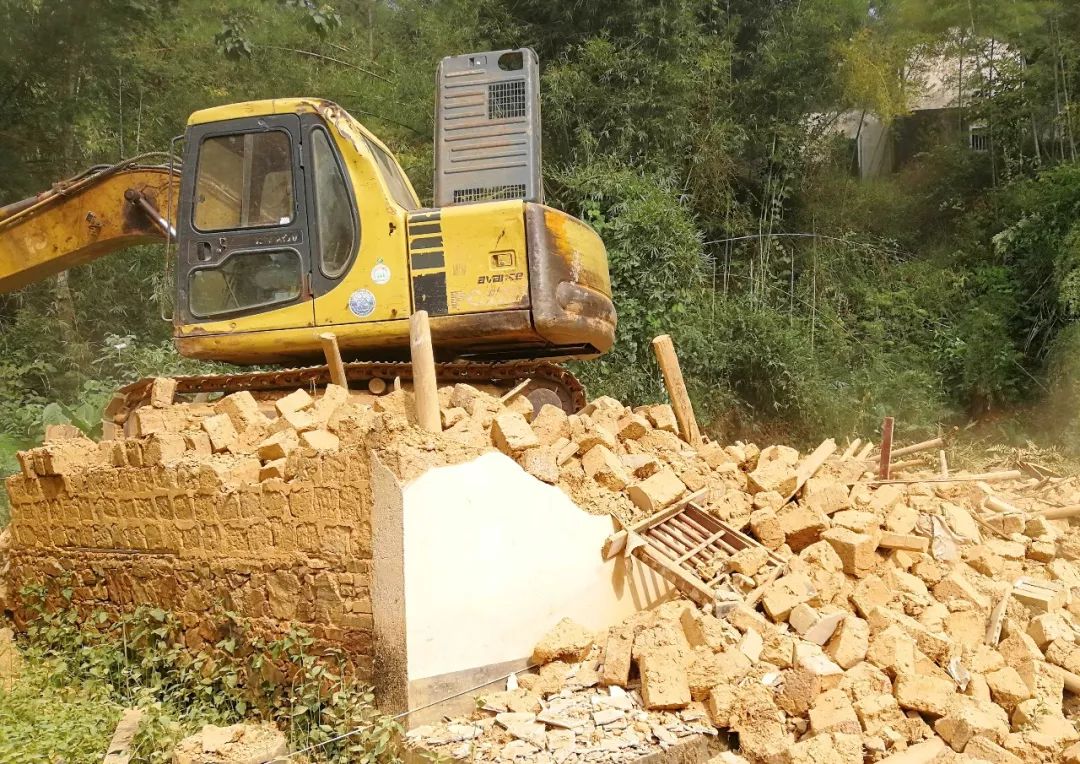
(78, 674)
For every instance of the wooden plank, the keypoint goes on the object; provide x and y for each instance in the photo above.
(119, 750)
(811, 464)
(333, 359)
(885, 460)
(862, 455)
(664, 349)
(425, 388)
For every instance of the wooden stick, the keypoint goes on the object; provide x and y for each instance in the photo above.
(989, 477)
(850, 450)
(333, 359)
(664, 349)
(865, 451)
(997, 617)
(926, 445)
(997, 505)
(515, 390)
(886, 448)
(943, 464)
(1060, 513)
(423, 369)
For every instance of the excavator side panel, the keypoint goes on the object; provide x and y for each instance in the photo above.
(78, 223)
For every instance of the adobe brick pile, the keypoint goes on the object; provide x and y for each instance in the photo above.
(910, 618)
(260, 508)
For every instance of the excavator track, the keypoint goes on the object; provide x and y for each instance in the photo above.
(546, 380)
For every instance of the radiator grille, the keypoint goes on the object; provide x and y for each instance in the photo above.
(506, 100)
(489, 194)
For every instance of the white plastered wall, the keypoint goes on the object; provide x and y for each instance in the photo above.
(493, 558)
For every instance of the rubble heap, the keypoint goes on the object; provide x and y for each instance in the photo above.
(861, 619)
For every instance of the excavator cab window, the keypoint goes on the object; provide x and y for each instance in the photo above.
(244, 181)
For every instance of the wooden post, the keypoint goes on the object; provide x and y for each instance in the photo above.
(886, 448)
(333, 359)
(423, 369)
(664, 349)
(943, 464)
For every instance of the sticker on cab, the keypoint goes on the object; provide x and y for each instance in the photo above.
(362, 303)
(380, 274)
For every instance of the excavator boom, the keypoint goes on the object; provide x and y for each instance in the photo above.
(84, 218)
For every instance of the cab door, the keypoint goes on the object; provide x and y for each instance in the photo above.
(244, 257)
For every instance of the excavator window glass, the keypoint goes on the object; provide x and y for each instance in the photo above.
(244, 181)
(333, 208)
(394, 177)
(246, 280)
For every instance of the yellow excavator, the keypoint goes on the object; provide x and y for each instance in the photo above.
(286, 218)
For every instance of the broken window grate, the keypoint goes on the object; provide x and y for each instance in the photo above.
(979, 138)
(489, 194)
(506, 100)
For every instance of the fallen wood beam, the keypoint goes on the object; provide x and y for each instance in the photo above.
(811, 464)
(989, 477)
(1059, 513)
(664, 349)
(850, 450)
(999, 505)
(926, 445)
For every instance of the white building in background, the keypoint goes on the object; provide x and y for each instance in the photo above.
(936, 114)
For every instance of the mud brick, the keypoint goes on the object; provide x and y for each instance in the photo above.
(297, 400)
(511, 434)
(242, 410)
(856, 550)
(279, 445)
(605, 468)
(550, 424)
(925, 694)
(657, 491)
(221, 432)
(664, 683)
(162, 392)
(802, 525)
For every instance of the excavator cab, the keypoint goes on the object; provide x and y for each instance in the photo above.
(290, 219)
